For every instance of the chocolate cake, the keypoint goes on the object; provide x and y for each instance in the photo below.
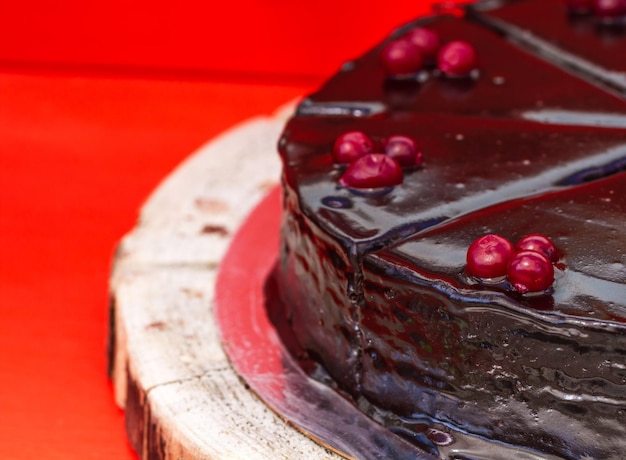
(529, 138)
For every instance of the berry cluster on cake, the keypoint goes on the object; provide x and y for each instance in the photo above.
(453, 253)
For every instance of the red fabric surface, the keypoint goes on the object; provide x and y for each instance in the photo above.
(97, 105)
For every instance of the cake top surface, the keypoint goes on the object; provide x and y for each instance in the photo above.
(513, 83)
(576, 40)
(531, 144)
(586, 224)
(513, 159)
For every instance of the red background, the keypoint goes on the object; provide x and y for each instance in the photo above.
(98, 102)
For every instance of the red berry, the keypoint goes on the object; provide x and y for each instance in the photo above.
(350, 146)
(401, 57)
(610, 9)
(404, 150)
(372, 171)
(488, 256)
(426, 40)
(457, 59)
(530, 271)
(538, 243)
(449, 7)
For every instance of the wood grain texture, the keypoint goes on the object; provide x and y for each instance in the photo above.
(181, 397)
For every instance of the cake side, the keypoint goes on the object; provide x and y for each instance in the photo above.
(315, 276)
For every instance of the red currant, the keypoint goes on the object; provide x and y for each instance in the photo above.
(457, 59)
(610, 9)
(426, 40)
(404, 150)
(538, 243)
(401, 57)
(530, 271)
(372, 171)
(488, 256)
(350, 146)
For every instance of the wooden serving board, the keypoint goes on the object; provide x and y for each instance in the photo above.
(182, 398)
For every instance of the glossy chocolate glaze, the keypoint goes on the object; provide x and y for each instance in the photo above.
(474, 354)
(374, 283)
(512, 83)
(582, 42)
(460, 157)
